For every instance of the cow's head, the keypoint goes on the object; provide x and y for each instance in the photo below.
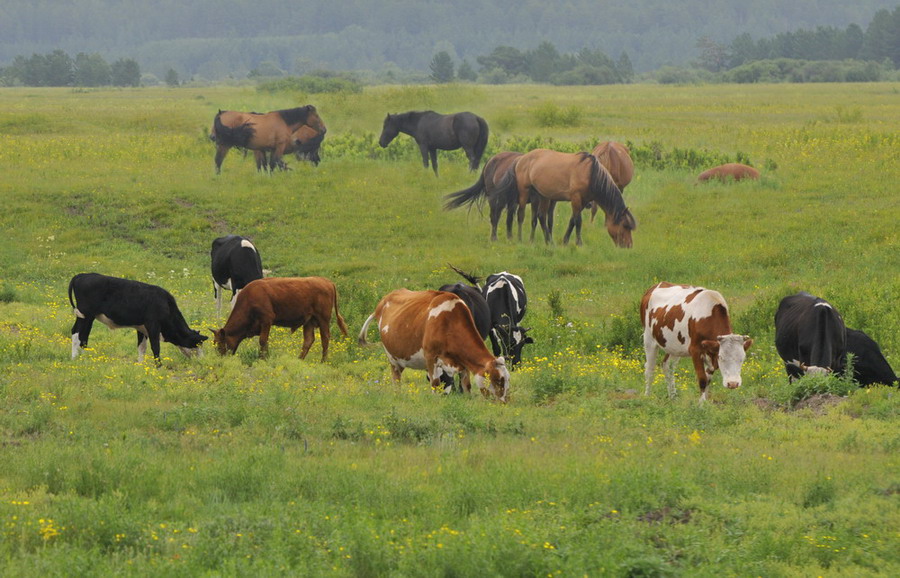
(728, 353)
(497, 377)
(518, 340)
(190, 344)
(224, 343)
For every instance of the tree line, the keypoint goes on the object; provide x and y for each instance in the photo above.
(59, 69)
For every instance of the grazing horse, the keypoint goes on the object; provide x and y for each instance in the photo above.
(277, 132)
(615, 158)
(304, 145)
(575, 177)
(433, 131)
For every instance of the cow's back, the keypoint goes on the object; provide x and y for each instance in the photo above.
(402, 316)
(290, 301)
(675, 314)
(810, 330)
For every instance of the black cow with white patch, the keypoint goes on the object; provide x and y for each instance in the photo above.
(810, 336)
(123, 303)
(235, 262)
(506, 299)
(869, 364)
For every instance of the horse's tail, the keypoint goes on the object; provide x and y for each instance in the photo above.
(467, 276)
(481, 143)
(237, 136)
(466, 196)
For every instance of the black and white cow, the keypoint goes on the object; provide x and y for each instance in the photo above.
(235, 262)
(122, 303)
(810, 336)
(506, 299)
(869, 364)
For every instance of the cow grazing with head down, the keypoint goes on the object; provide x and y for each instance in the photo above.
(235, 262)
(434, 331)
(123, 303)
(292, 302)
(810, 336)
(686, 321)
(477, 305)
(869, 364)
(506, 299)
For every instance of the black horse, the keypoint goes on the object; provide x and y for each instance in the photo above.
(434, 131)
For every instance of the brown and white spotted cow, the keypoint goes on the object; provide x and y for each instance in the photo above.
(434, 331)
(686, 321)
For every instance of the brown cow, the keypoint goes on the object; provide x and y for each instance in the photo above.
(735, 171)
(686, 321)
(285, 302)
(434, 331)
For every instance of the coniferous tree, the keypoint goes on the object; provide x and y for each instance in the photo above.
(442, 68)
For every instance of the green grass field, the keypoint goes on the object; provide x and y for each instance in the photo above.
(240, 466)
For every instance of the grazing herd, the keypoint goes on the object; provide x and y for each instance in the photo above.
(443, 331)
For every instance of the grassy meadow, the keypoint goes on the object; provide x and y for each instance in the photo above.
(241, 466)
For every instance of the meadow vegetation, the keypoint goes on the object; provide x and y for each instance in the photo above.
(241, 466)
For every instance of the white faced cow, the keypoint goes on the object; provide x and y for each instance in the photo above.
(505, 295)
(686, 321)
(434, 331)
(235, 262)
(810, 336)
(122, 303)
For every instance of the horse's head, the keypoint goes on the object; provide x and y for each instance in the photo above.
(619, 226)
(313, 120)
(390, 130)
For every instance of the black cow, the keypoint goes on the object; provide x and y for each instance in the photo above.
(506, 299)
(235, 262)
(810, 336)
(473, 298)
(120, 303)
(869, 364)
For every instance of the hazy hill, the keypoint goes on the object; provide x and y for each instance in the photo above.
(218, 38)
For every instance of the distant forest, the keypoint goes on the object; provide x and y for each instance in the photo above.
(562, 41)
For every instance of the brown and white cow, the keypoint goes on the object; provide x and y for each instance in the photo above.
(292, 302)
(434, 331)
(686, 321)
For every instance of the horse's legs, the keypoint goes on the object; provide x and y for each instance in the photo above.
(543, 209)
(510, 214)
(433, 154)
(221, 151)
(496, 211)
(574, 223)
(261, 160)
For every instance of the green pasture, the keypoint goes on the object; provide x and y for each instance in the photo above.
(241, 466)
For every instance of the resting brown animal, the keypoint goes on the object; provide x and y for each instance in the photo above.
(285, 302)
(735, 171)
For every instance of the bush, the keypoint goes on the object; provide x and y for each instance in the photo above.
(312, 84)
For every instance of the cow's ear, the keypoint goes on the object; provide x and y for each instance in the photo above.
(710, 345)
(747, 342)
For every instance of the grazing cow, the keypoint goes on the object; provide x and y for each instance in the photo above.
(736, 171)
(235, 262)
(477, 305)
(869, 364)
(434, 331)
(810, 336)
(292, 302)
(122, 303)
(506, 299)
(686, 321)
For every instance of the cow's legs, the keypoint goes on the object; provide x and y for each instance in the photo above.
(81, 330)
(651, 351)
(309, 337)
(396, 372)
(669, 363)
(264, 340)
(325, 336)
(141, 346)
(702, 376)
(218, 291)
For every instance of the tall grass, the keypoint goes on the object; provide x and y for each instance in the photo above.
(242, 466)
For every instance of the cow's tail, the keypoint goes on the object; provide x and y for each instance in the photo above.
(466, 196)
(340, 320)
(482, 142)
(71, 291)
(467, 276)
(365, 328)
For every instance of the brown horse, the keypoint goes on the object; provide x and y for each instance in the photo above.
(616, 158)
(575, 177)
(304, 145)
(736, 171)
(272, 132)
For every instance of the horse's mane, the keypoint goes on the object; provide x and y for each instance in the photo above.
(605, 192)
(296, 115)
